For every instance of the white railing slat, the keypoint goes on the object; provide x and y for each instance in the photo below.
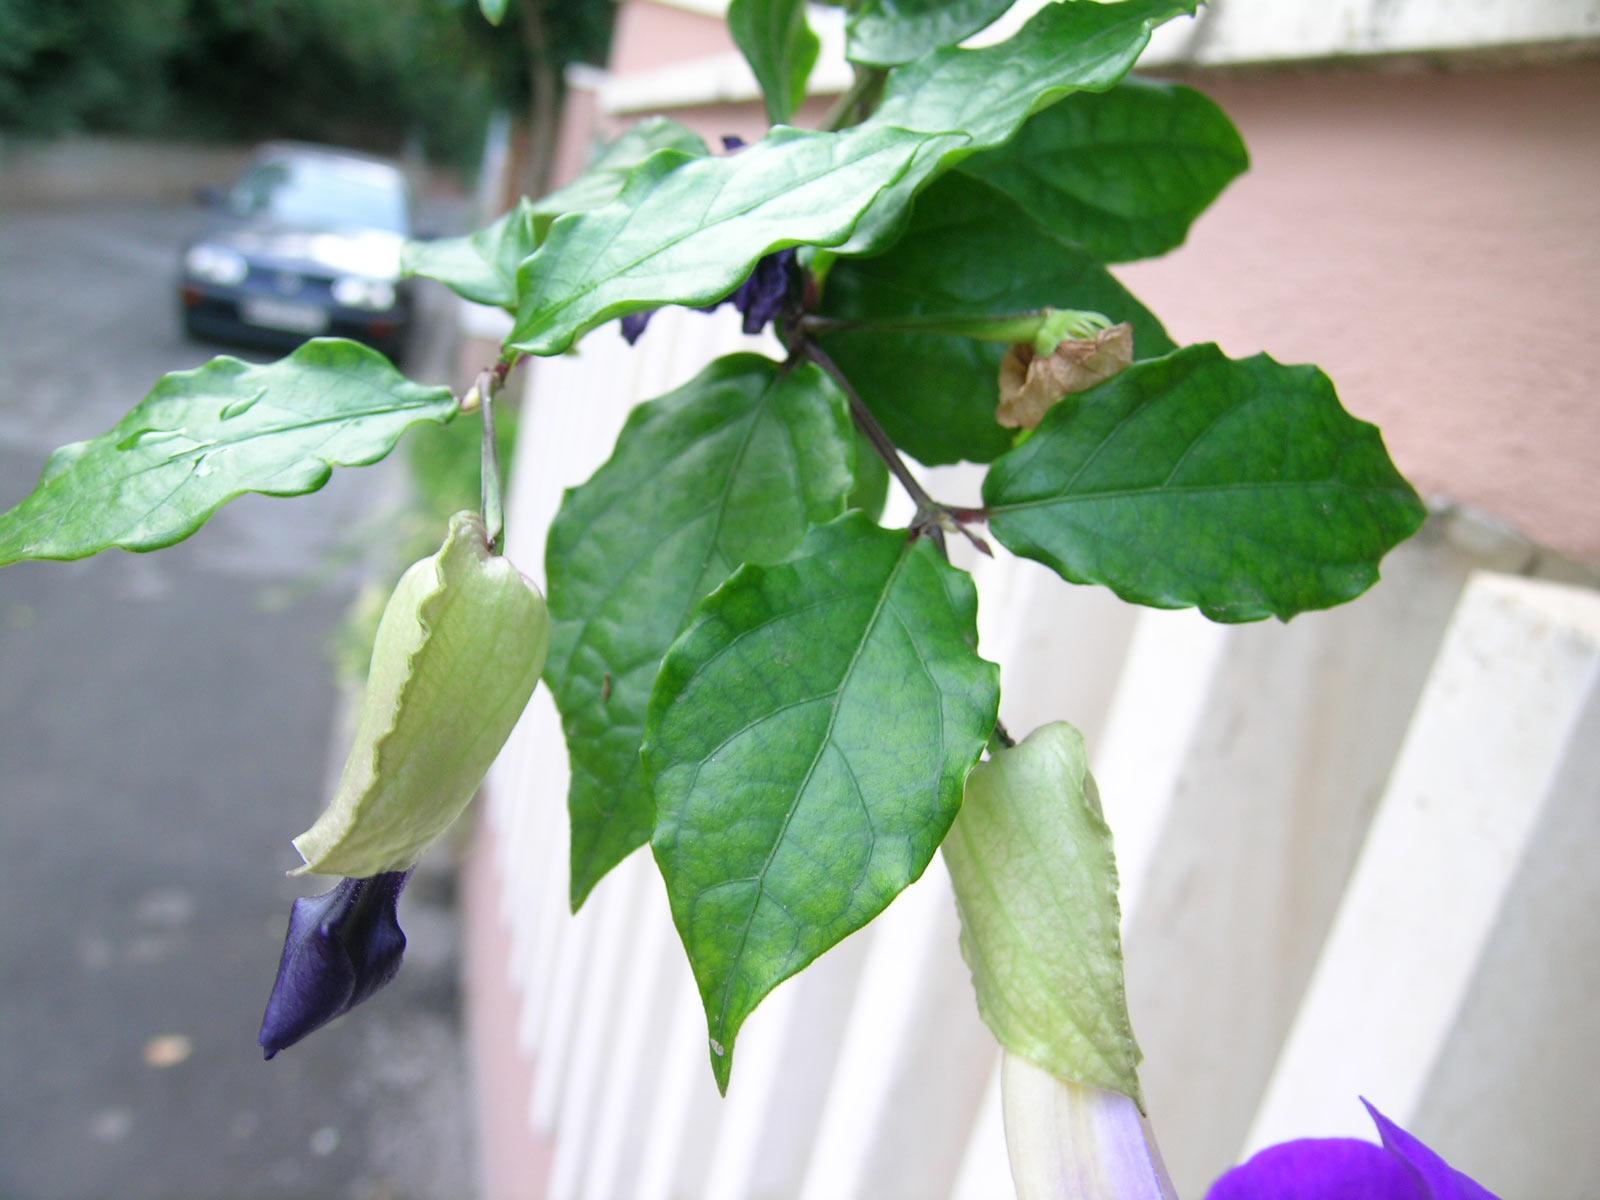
(1519, 665)
(592, 1038)
(634, 1071)
(1238, 768)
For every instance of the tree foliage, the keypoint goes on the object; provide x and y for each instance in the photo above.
(364, 73)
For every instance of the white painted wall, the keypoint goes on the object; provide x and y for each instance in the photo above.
(1337, 837)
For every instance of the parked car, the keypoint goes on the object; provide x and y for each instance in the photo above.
(307, 243)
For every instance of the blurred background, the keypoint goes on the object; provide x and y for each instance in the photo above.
(168, 722)
(376, 75)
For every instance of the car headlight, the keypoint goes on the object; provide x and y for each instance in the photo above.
(215, 264)
(354, 292)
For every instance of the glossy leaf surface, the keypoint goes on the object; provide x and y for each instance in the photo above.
(886, 33)
(482, 267)
(458, 652)
(969, 250)
(602, 181)
(1241, 487)
(203, 437)
(780, 47)
(983, 96)
(807, 743)
(688, 233)
(1036, 884)
(733, 467)
(1123, 173)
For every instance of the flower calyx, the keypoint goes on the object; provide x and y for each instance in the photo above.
(1035, 376)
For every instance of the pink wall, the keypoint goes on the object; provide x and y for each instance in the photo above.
(649, 35)
(1432, 239)
(516, 1161)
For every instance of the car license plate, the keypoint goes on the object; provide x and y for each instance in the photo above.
(283, 314)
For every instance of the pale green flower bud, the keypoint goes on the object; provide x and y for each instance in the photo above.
(459, 649)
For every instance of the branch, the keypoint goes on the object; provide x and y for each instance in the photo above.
(932, 518)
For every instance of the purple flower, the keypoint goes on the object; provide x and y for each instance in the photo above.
(341, 947)
(633, 324)
(760, 297)
(1347, 1169)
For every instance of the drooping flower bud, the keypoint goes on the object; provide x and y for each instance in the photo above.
(459, 649)
(1035, 880)
(341, 947)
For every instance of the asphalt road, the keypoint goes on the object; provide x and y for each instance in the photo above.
(165, 728)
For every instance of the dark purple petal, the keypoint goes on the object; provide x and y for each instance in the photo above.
(342, 946)
(1436, 1179)
(762, 296)
(1319, 1169)
(633, 324)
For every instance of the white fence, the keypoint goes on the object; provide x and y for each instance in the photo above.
(1358, 856)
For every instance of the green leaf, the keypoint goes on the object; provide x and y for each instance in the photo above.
(605, 176)
(203, 437)
(494, 11)
(886, 33)
(1036, 885)
(1124, 173)
(458, 652)
(780, 47)
(871, 491)
(688, 233)
(733, 467)
(807, 742)
(482, 266)
(972, 100)
(969, 251)
(1241, 487)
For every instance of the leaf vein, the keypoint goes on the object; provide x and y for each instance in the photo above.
(799, 793)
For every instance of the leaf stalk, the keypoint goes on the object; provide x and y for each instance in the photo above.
(492, 491)
(932, 519)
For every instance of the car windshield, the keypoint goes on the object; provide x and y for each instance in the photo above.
(322, 194)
